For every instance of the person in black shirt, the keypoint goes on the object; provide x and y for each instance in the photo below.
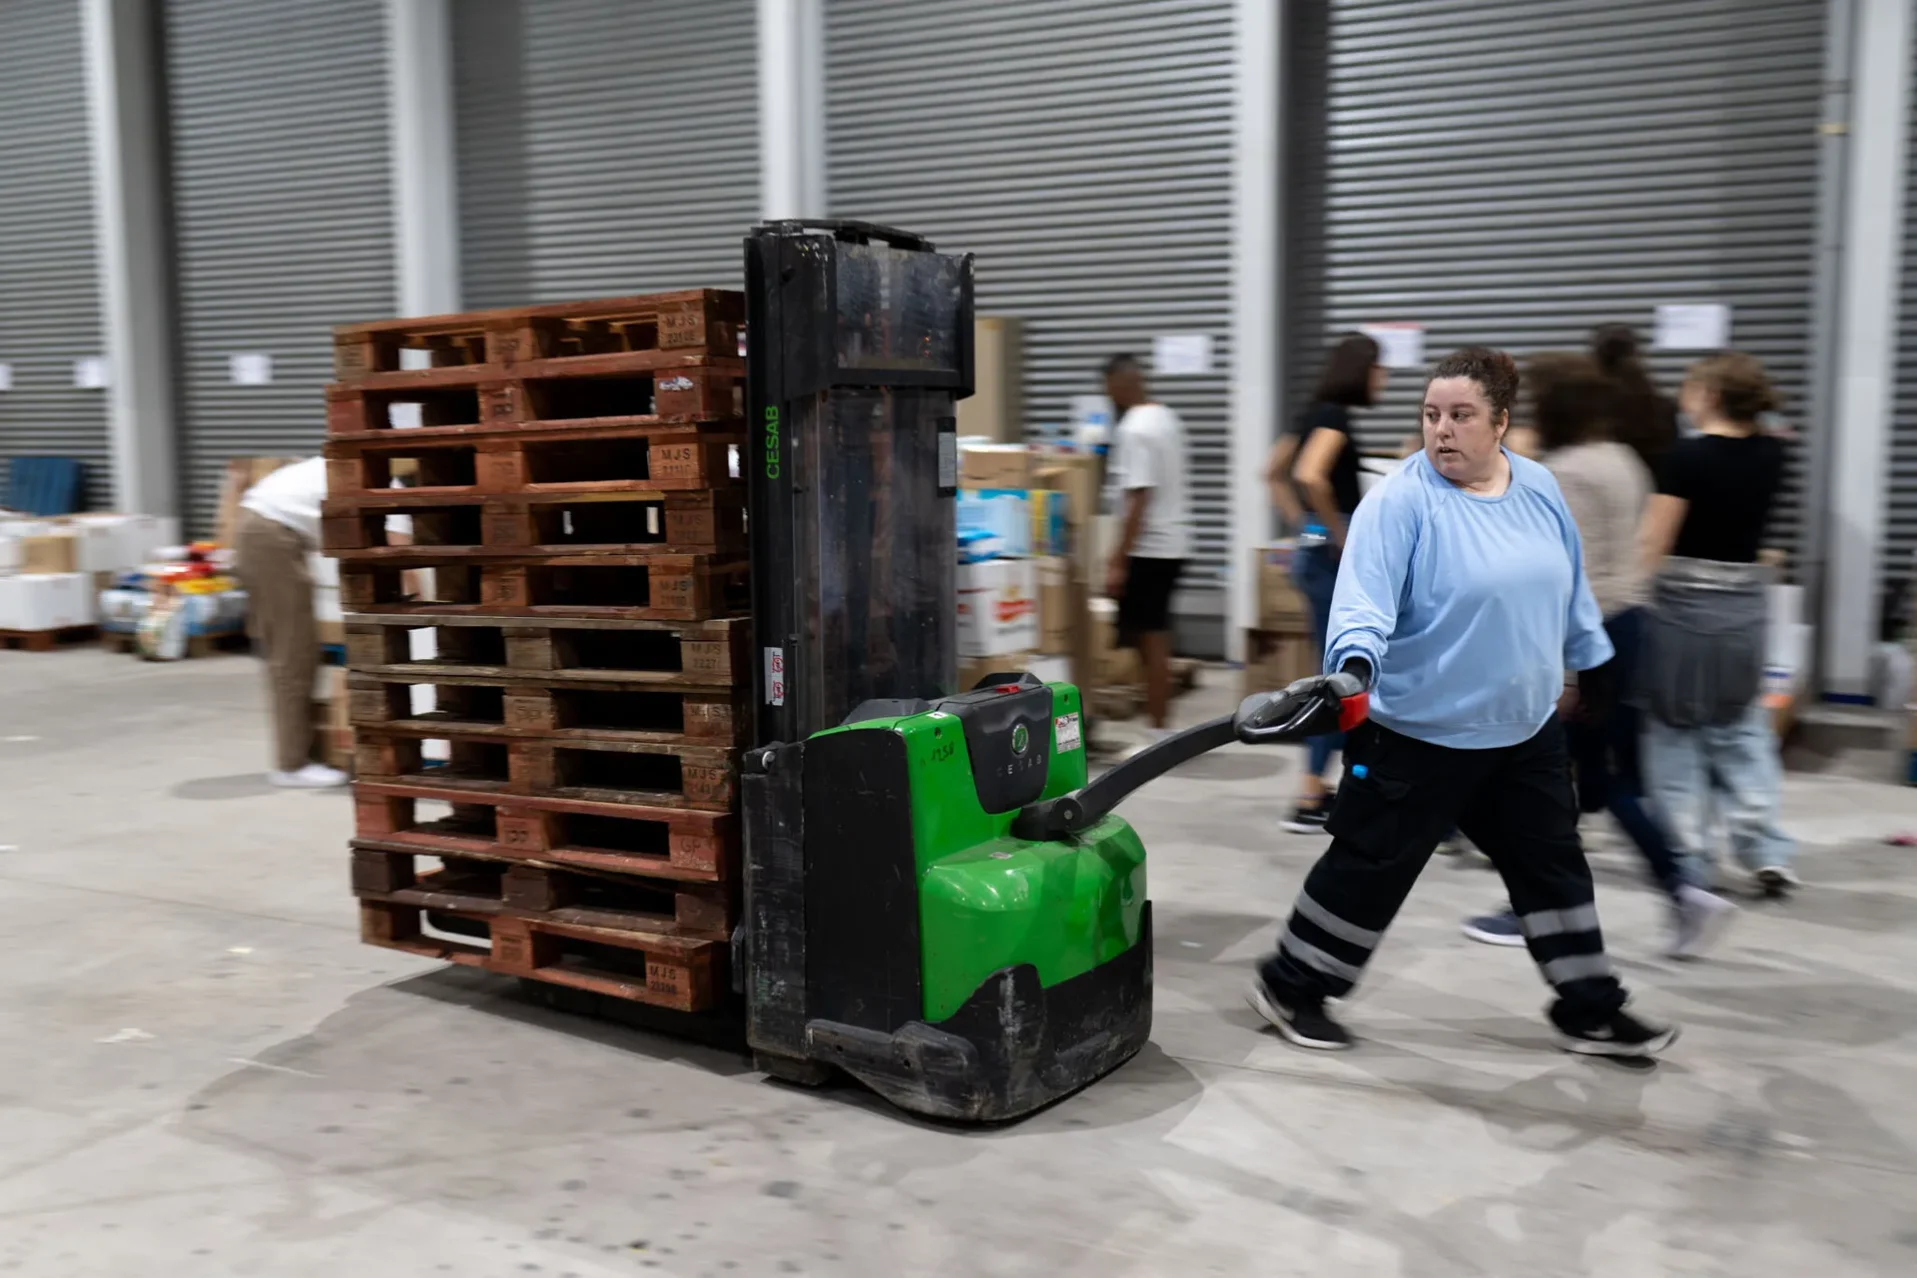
(1313, 474)
(1708, 722)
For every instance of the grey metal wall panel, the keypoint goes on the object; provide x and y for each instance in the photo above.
(1516, 173)
(1899, 561)
(604, 147)
(282, 200)
(1082, 149)
(49, 281)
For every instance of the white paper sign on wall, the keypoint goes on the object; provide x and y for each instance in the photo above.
(1692, 327)
(1399, 345)
(1181, 354)
(90, 373)
(6, 377)
(251, 369)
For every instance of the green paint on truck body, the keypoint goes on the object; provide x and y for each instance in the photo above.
(988, 900)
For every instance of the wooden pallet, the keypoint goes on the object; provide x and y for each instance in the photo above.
(629, 586)
(712, 655)
(641, 773)
(698, 320)
(531, 888)
(681, 973)
(671, 843)
(590, 391)
(645, 455)
(47, 640)
(443, 528)
(634, 711)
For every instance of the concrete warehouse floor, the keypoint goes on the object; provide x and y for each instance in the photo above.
(202, 1071)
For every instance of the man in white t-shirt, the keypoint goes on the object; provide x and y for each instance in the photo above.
(1154, 538)
(279, 523)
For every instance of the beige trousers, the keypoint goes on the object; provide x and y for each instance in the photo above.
(279, 594)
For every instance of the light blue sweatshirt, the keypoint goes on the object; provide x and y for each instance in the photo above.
(1469, 609)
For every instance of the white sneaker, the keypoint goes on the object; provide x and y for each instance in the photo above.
(1701, 919)
(314, 776)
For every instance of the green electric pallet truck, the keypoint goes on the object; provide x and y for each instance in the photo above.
(937, 902)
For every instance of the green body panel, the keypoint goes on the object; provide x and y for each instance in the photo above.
(988, 900)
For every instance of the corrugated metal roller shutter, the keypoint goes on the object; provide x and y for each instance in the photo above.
(1516, 173)
(1082, 149)
(284, 220)
(49, 281)
(604, 147)
(1900, 510)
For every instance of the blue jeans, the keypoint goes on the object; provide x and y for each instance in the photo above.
(1316, 573)
(1609, 775)
(1742, 758)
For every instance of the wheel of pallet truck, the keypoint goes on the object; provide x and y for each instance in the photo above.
(792, 1069)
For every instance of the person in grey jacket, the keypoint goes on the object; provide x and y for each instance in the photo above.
(1606, 485)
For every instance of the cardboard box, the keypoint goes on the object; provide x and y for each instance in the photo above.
(1277, 658)
(1054, 604)
(985, 466)
(54, 553)
(46, 601)
(1281, 606)
(997, 607)
(994, 524)
(995, 408)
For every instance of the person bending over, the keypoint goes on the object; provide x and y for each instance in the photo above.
(1461, 600)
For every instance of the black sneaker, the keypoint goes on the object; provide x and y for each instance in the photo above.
(1622, 1035)
(1305, 1024)
(1307, 819)
(1778, 880)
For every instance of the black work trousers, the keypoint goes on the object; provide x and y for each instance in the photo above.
(1398, 798)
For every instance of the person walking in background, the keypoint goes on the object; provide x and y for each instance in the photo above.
(1704, 643)
(1646, 419)
(1605, 487)
(1461, 601)
(1318, 461)
(1154, 538)
(279, 525)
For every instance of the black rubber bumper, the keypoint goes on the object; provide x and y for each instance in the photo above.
(1013, 1047)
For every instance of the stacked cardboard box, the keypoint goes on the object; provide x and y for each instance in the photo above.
(1281, 647)
(548, 680)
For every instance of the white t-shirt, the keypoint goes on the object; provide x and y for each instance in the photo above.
(291, 496)
(1150, 453)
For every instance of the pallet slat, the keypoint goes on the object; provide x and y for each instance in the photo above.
(625, 965)
(641, 773)
(636, 522)
(630, 586)
(586, 393)
(669, 842)
(475, 460)
(697, 320)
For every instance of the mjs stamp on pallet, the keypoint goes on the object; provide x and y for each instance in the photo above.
(936, 901)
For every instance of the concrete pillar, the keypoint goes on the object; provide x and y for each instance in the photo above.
(1256, 374)
(1866, 348)
(419, 88)
(126, 122)
(792, 109)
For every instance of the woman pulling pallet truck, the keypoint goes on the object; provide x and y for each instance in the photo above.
(1461, 600)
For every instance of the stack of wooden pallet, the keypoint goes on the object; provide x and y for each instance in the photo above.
(548, 672)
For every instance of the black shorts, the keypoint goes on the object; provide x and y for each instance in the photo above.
(1145, 607)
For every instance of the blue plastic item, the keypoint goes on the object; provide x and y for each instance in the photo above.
(43, 485)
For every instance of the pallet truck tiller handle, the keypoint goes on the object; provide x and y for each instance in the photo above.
(1308, 708)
